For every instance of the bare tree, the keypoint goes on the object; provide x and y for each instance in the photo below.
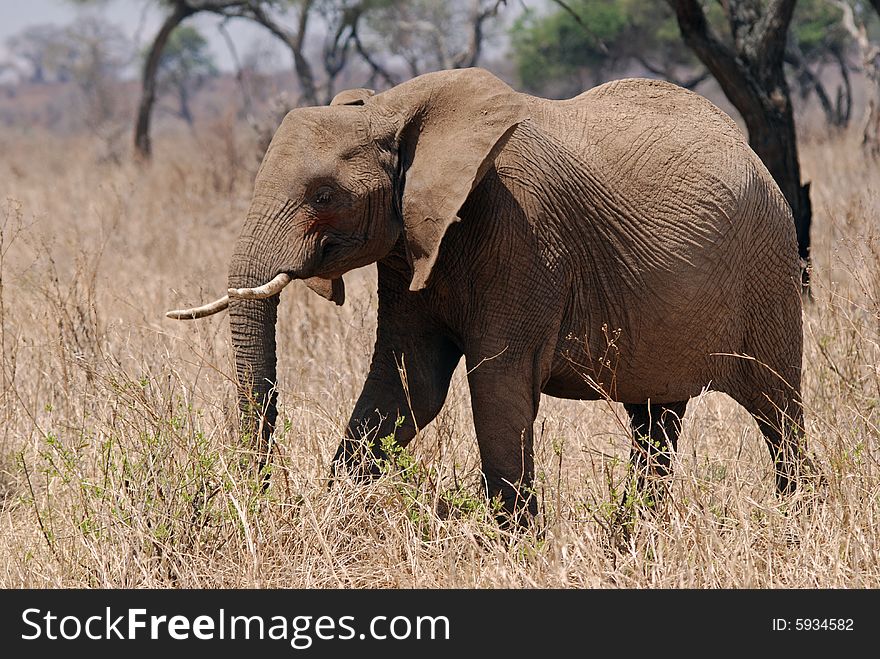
(870, 56)
(180, 11)
(294, 39)
(96, 53)
(42, 50)
(90, 55)
(429, 35)
(343, 20)
(142, 143)
(749, 68)
(837, 112)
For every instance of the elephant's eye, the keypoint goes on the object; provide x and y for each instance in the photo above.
(322, 197)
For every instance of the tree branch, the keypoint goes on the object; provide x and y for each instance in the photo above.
(571, 12)
(335, 49)
(810, 81)
(142, 144)
(377, 68)
(714, 53)
(293, 40)
(239, 73)
(688, 83)
(844, 92)
(471, 56)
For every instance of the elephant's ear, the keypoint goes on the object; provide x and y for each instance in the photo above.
(332, 289)
(457, 124)
(357, 96)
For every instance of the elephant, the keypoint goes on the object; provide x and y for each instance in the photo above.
(625, 245)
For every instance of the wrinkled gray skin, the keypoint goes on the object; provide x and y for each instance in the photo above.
(623, 244)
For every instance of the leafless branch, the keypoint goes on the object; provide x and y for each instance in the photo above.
(471, 56)
(378, 69)
(239, 73)
(687, 83)
(809, 81)
(712, 51)
(571, 12)
(294, 40)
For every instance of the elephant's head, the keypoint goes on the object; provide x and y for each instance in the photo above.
(340, 185)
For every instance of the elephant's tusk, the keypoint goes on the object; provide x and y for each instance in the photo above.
(200, 312)
(260, 292)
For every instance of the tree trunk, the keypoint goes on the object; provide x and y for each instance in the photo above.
(844, 91)
(836, 114)
(770, 122)
(183, 104)
(142, 145)
(752, 77)
(296, 43)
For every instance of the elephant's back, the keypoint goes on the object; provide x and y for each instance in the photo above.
(661, 100)
(669, 161)
(684, 162)
(629, 105)
(645, 137)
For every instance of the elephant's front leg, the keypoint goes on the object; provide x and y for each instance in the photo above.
(505, 397)
(655, 431)
(408, 379)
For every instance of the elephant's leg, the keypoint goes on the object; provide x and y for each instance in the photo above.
(407, 380)
(655, 430)
(505, 401)
(780, 418)
(768, 387)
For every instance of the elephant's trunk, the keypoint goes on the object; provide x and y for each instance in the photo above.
(253, 342)
(252, 323)
(266, 259)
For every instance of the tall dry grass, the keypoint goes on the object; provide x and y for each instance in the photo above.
(120, 465)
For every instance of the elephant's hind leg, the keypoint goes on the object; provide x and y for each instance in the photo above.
(655, 430)
(777, 409)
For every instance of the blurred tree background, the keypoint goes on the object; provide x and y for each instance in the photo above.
(184, 67)
(772, 60)
(584, 43)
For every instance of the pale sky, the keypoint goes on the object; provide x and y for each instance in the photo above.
(139, 19)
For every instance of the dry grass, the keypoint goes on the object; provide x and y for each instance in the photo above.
(119, 464)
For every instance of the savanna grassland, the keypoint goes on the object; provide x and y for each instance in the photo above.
(120, 464)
